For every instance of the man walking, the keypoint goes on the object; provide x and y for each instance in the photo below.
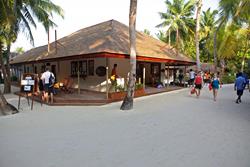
(48, 79)
(239, 86)
(191, 77)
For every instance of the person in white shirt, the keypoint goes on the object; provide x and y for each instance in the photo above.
(191, 77)
(47, 84)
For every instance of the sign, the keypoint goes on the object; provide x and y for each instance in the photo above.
(28, 83)
(28, 86)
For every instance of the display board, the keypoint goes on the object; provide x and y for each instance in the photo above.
(28, 83)
(27, 87)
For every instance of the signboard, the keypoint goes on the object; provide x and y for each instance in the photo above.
(28, 83)
(28, 87)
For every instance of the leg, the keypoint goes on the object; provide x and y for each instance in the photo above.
(51, 98)
(240, 94)
(46, 97)
(215, 91)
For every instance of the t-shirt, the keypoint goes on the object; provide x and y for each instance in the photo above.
(240, 83)
(45, 76)
(198, 80)
(191, 74)
(215, 83)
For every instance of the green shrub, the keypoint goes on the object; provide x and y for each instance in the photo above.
(119, 88)
(227, 78)
(138, 86)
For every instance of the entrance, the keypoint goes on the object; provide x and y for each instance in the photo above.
(152, 72)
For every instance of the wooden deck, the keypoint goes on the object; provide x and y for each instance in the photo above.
(95, 98)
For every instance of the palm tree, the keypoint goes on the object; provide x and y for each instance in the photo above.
(128, 100)
(6, 18)
(24, 12)
(208, 23)
(234, 11)
(234, 43)
(16, 16)
(178, 17)
(19, 50)
(197, 29)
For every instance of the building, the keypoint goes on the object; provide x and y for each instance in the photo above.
(85, 56)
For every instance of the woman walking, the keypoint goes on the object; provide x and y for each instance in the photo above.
(198, 84)
(215, 86)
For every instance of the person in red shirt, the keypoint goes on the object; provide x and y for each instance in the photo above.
(113, 73)
(198, 84)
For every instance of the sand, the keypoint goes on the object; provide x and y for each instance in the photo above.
(166, 130)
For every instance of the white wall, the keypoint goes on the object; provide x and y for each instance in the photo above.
(123, 66)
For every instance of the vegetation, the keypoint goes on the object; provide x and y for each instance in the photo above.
(19, 16)
(224, 34)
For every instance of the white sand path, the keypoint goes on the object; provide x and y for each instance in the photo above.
(164, 130)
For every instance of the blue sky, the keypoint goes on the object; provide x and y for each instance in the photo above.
(84, 13)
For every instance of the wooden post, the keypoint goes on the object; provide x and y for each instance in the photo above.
(168, 77)
(185, 71)
(107, 79)
(19, 101)
(32, 102)
(27, 97)
(78, 78)
(144, 77)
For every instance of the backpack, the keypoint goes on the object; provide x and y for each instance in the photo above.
(51, 80)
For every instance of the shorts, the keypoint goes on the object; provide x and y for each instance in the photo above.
(239, 92)
(197, 86)
(191, 81)
(48, 88)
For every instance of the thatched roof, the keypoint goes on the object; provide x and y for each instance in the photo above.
(107, 37)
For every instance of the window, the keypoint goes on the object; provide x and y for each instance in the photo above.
(91, 67)
(82, 65)
(74, 69)
(83, 68)
(43, 68)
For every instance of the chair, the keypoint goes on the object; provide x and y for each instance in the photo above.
(67, 84)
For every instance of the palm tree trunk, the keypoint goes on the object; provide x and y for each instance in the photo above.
(199, 4)
(169, 37)
(128, 100)
(3, 101)
(243, 60)
(177, 41)
(7, 80)
(2, 62)
(215, 43)
(215, 51)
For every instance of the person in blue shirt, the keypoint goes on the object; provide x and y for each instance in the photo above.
(215, 86)
(239, 86)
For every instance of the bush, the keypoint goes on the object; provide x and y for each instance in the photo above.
(227, 78)
(138, 86)
(119, 88)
